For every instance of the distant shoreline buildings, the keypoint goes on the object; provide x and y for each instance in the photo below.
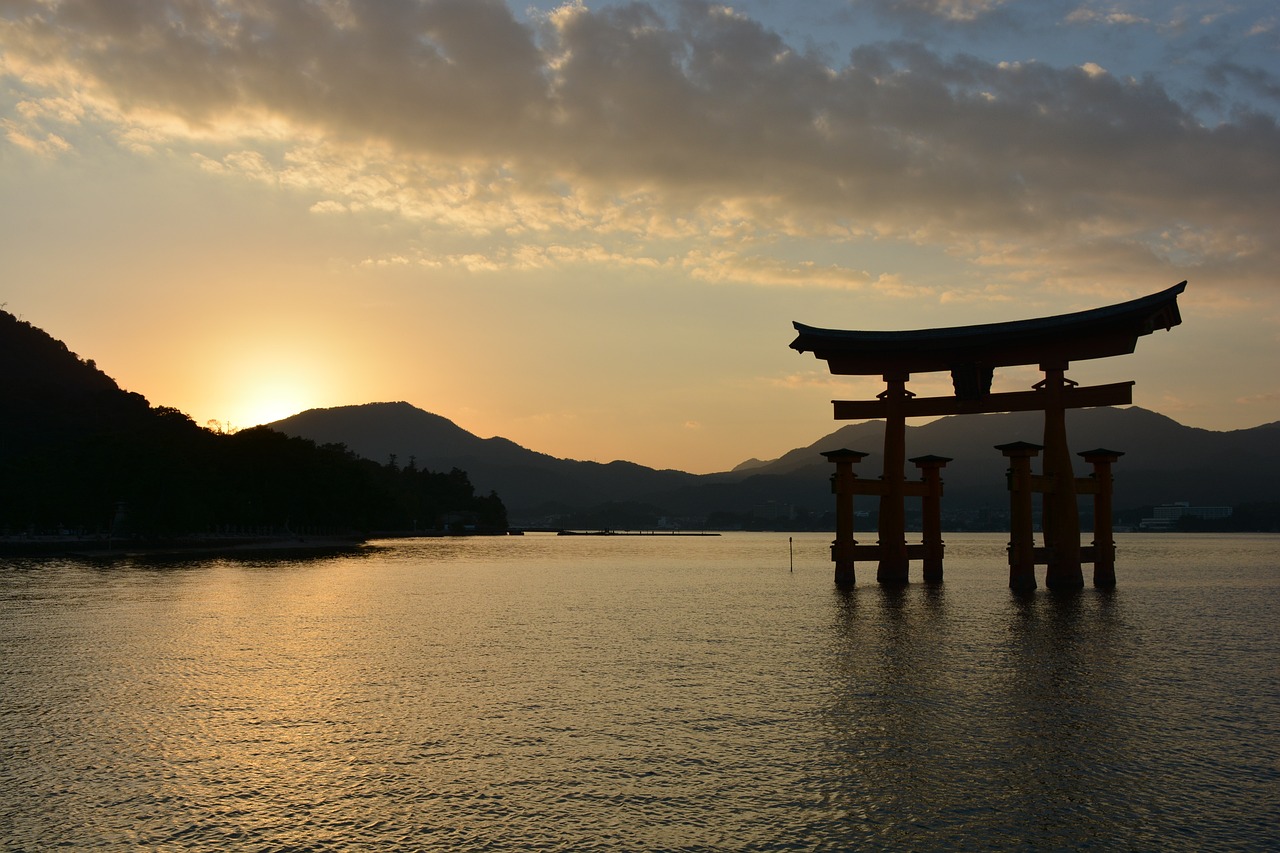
(1166, 516)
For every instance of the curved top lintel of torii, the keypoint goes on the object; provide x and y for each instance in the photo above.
(1097, 333)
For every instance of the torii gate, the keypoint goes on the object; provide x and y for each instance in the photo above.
(971, 354)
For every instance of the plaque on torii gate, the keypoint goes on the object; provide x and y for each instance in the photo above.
(971, 354)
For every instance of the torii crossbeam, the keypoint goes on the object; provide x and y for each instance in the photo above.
(971, 354)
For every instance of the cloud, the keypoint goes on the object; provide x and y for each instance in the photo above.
(1269, 397)
(858, 387)
(1265, 26)
(1111, 15)
(819, 379)
(1176, 404)
(48, 145)
(726, 266)
(1258, 80)
(329, 206)
(657, 126)
(917, 13)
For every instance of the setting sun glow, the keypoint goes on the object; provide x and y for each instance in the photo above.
(264, 386)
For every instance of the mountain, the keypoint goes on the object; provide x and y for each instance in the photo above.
(529, 482)
(1164, 461)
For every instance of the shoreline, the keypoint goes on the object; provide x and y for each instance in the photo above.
(99, 548)
(104, 547)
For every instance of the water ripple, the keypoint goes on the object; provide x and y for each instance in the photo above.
(677, 694)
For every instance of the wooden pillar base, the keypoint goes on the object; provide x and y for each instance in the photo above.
(842, 556)
(1104, 565)
(931, 514)
(1022, 559)
(843, 484)
(845, 577)
(894, 570)
(1104, 542)
(1064, 576)
(1022, 577)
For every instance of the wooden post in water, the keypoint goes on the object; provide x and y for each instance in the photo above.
(931, 514)
(842, 484)
(893, 567)
(1104, 543)
(1022, 559)
(1060, 515)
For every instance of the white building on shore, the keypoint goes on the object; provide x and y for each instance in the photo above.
(1166, 516)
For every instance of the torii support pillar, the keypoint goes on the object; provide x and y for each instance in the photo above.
(1022, 555)
(931, 514)
(1104, 542)
(842, 484)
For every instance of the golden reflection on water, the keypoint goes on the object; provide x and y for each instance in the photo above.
(605, 694)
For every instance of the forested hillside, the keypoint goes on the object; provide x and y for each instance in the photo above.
(79, 454)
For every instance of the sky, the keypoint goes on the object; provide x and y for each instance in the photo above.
(587, 227)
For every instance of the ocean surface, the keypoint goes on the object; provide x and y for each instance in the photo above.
(640, 693)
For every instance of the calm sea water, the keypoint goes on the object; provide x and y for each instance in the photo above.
(656, 693)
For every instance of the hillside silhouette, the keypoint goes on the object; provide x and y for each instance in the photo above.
(80, 455)
(1164, 462)
(535, 482)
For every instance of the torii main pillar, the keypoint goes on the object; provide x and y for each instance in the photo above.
(1059, 516)
(893, 565)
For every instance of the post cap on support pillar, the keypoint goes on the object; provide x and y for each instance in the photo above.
(1015, 449)
(845, 455)
(1100, 454)
(930, 461)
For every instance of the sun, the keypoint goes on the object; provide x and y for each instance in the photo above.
(274, 400)
(267, 383)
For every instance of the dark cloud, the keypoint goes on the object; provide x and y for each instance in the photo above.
(695, 107)
(1259, 81)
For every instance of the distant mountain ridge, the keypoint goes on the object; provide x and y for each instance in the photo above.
(1164, 461)
(523, 478)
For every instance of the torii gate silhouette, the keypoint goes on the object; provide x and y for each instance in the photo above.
(971, 354)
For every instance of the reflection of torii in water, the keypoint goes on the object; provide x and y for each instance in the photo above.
(971, 354)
